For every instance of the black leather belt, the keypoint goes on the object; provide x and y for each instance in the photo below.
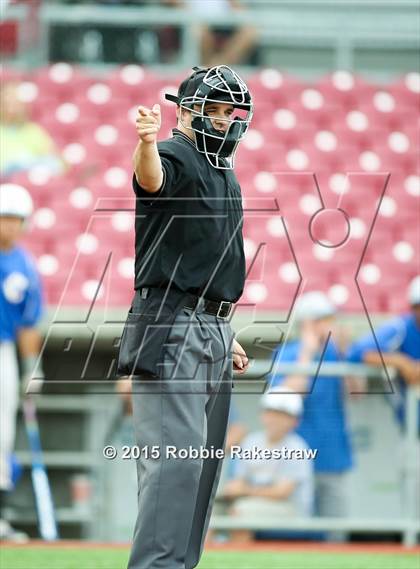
(220, 309)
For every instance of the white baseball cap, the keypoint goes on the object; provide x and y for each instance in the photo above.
(314, 305)
(15, 201)
(283, 399)
(414, 291)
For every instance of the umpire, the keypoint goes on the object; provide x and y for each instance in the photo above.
(177, 343)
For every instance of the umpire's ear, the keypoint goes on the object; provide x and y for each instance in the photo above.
(181, 114)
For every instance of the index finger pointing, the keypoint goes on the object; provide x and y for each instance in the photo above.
(144, 111)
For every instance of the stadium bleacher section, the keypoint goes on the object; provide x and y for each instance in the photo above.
(349, 132)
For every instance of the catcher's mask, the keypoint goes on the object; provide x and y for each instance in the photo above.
(218, 84)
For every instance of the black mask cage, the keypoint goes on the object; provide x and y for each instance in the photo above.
(219, 84)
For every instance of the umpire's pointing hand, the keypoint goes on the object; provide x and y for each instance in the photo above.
(148, 123)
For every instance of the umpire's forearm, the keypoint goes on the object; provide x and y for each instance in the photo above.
(148, 166)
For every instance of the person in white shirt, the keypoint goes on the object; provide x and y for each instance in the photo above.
(274, 471)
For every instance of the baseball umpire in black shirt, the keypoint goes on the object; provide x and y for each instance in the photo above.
(178, 345)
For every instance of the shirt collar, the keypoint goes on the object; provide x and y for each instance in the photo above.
(177, 132)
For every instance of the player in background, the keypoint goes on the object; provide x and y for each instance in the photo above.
(324, 424)
(20, 311)
(399, 343)
(280, 487)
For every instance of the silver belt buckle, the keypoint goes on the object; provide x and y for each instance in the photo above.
(221, 307)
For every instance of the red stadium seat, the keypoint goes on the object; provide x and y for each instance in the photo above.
(62, 81)
(274, 87)
(407, 90)
(345, 89)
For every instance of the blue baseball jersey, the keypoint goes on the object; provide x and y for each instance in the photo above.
(323, 424)
(401, 334)
(20, 293)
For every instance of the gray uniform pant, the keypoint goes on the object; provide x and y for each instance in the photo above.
(188, 407)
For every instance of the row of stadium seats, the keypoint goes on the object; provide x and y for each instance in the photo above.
(272, 87)
(358, 138)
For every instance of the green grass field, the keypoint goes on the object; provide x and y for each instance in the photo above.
(106, 558)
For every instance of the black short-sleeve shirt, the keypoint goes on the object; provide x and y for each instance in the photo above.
(189, 233)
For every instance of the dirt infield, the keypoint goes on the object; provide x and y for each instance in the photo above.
(263, 547)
